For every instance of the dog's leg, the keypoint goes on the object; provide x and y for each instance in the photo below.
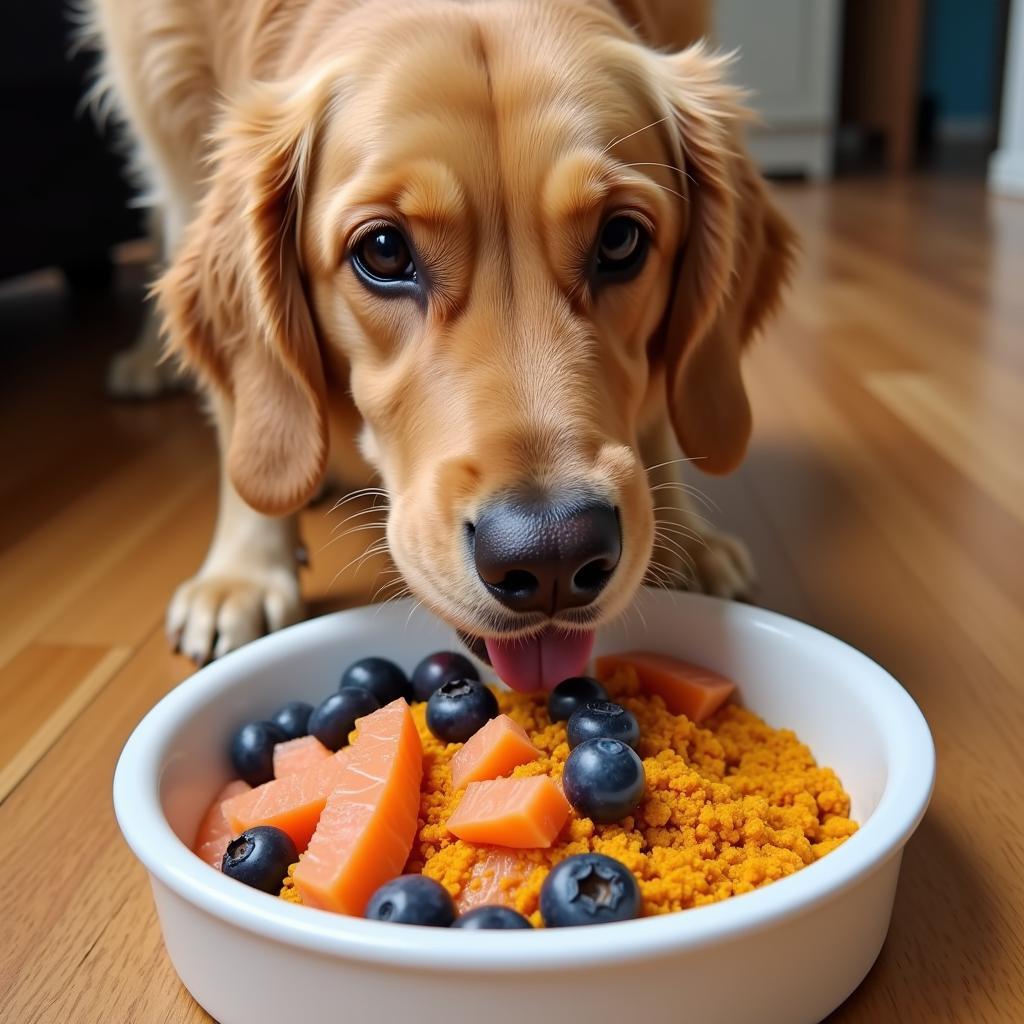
(689, 552)
(249, 583)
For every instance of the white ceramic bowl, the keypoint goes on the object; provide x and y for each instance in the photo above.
(788, 953)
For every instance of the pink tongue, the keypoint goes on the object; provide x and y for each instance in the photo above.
(540, 661)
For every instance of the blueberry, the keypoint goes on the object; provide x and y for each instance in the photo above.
(252, 751)
(589, 888)
(492, 918)
(604, 779)
(260, 857)
(459, 708)
(333, 720)
(571, 694)
(293, 718)
(383, 678)
(602, 718)
(439, 668)
(412, 899)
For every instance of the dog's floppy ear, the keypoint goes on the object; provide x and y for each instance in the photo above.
(734, 260)
(234, 303)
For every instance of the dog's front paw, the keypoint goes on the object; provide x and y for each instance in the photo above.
(723, 566)
(139, 373)
(214, 613)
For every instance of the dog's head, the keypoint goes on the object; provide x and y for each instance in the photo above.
(515, 240)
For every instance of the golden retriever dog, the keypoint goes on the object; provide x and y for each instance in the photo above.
(500, 256)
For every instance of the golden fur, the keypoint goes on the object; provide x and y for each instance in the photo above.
(498, 134)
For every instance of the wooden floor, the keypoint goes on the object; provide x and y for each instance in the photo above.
(883, 499)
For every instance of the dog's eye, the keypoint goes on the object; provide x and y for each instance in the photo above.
(383, 256)
(622, 246)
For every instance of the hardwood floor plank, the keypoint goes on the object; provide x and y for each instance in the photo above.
(63, 906)
(43, 690)
(59, 563)
(130, 595)
(916, 533)
(985, 448)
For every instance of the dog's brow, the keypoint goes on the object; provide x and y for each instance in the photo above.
(433, 196)
(575, 188)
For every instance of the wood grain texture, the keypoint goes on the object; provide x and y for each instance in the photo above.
(882, 499)
(44, 689)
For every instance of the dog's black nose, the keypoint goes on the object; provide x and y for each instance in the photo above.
(546, 557)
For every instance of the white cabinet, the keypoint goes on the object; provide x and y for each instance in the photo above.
(1006, 171)
(789, 60)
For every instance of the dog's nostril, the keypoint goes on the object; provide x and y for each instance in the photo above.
(518, 583)
(593, 576)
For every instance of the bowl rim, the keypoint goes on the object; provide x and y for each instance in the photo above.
(900, 808)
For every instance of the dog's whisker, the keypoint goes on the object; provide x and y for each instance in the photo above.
(672, 462)
(362, 492)
(676, 537)
(380, 547)
(620, 139)
(678, 524)
(633, 608)
(678, 529)
(657, 576)
(699, 520)
(640, 616)
(658, 184)
(675, 578)
(673, 508)
(400, 595)
(683, 486)
(351, 530)
(678, 576)
(387, 583)
(377, 547)
(706, 500)
(385, 587)
(356, 515)
(679, 581)
(415, 608)
(335, 536)
(353, 496)
(666, 543)
(669, 546)
(669, 167)
(667, 572)
(683, 561)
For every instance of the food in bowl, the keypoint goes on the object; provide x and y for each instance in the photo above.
(499, 797)
(231, 946)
